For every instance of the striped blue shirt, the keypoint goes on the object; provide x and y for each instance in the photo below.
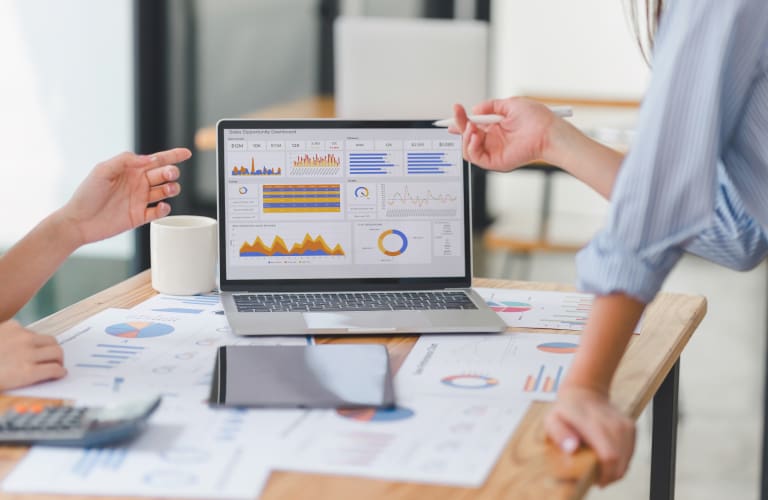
(696, 178)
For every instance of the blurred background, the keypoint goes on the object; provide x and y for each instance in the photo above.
(84, 80)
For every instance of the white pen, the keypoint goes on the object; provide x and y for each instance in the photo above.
(562, 111)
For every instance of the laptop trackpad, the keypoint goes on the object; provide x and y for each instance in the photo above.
(367, 319)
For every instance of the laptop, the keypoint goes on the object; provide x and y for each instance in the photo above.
(345, 227)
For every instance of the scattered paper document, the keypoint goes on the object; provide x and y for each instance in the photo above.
(187, 451)
(487, 367)
(425, 439)
(118, 354)
(182, 304)
(541, 308)
(460, 398)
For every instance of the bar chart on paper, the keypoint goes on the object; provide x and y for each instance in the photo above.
(487, 367)
(540, 308)
(545, 380)
(193, 304)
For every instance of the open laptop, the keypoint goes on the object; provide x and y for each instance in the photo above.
(345, 227)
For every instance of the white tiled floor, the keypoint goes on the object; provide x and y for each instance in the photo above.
(722, 373)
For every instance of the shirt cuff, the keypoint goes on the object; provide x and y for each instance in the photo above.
(604, 268)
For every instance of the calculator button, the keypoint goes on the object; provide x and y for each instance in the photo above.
(36, 408)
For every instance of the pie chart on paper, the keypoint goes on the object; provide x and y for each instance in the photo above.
(139, 329)
(558, 347)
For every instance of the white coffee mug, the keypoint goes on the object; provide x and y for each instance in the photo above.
(183, 252)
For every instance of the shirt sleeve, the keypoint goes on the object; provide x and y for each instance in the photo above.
(706, 56)
(734, 239)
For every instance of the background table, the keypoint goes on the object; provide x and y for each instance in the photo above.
(529, 467)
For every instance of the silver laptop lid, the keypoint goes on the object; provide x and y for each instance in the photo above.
(327, 205)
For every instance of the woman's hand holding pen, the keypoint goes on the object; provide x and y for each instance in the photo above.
(529, 132)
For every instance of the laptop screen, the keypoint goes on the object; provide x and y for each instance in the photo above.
(341, 203)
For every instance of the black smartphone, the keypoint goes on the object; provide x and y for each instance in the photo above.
(313, 376)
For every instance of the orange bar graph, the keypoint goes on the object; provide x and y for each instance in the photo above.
(243, 170)
(547, 384)
(329, 160)
(529, 381)
(544, 383)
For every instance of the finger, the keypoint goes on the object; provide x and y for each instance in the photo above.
(48, 354)
(168, 157)
(160, 210)
(460, 118)
(608, 453)
(45, 371)
(476, 148)
(163, 191)
(171, 156)
(160, 175)
(562, 434)
(466, 137)
(40, 340)
(624, 435)
(485, 108)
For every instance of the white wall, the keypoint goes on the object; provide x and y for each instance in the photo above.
(66, 101)
(578, 48)
(560, 48)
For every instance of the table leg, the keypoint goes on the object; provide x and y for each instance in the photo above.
(764, 467)
(546, 206)
(664, 437)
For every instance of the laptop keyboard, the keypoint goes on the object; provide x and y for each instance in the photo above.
(353, 301)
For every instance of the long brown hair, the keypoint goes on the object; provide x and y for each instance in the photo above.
(645, 16)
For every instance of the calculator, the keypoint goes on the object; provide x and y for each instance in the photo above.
(25, 424)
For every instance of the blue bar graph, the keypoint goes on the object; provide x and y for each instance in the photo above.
(428, 163)
(112, 355)
(370, 164)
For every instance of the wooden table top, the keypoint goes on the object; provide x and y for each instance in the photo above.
(528, 468)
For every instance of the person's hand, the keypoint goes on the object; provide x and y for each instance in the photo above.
(523, 136)
(27, 357)
(584, 416)
(117, 193)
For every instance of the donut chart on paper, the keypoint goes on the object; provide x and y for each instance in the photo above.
(558, 347)
(466, 381)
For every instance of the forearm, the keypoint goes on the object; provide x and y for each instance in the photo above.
(605, 338)
(586, 159)
(32, 261)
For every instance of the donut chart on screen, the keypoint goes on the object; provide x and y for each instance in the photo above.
(139, 329)
(390, 251)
